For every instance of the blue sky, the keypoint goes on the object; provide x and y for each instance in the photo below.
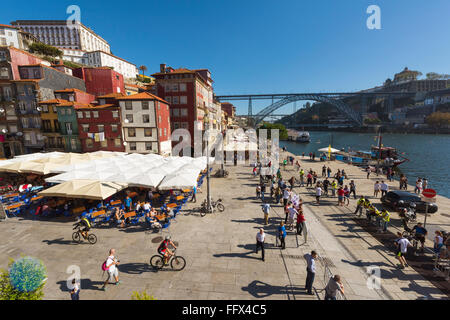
(264, 46)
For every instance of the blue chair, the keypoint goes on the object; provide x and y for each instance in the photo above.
(165, 228)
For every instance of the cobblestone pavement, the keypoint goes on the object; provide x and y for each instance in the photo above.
(219, 250)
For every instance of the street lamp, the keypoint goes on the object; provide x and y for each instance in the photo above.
(208, 190)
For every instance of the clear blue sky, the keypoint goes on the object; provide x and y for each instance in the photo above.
(266, 46)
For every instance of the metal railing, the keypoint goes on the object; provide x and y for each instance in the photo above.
(327, 275)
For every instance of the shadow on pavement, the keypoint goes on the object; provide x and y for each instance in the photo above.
(86, 284)
(259, 289)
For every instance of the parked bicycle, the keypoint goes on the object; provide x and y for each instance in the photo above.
(214, 205)
(177, 263)
(78, 237)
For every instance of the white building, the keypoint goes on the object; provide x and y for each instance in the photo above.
(58, 34)
(101, 59)
(9, 36)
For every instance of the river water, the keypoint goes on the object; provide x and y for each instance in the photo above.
(429, 155)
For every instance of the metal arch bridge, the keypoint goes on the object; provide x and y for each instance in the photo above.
(335, 99)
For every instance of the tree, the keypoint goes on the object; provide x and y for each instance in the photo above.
(438, 119)
(143, 69)
(437, 76)
(283, 134)
(24, 280)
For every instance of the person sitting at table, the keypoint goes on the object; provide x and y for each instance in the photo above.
(119, 217)
(138, 207)
(147, 206)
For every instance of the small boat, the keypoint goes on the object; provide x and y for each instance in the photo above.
(303, 137)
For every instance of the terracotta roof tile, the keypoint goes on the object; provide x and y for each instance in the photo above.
(54, 101)
(103, 106)
(112, 95)
(143, 96)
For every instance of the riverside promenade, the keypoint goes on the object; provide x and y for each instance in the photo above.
(220, 251)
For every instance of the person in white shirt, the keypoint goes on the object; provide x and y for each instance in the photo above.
(402, 248)
(292, 213)
(286, 196)
(260, 238)
(384, 188)
(318, 194)
(111, 265)
(376, 189)
(147, 206)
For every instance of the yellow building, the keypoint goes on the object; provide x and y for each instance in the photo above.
(50, 125)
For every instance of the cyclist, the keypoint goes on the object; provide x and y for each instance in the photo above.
(84, 222)
(420, 234)
(164, 250)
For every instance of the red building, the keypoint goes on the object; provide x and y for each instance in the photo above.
(229, 108)
(15, 58)
(189, 93)
(101, 81)
(74, 95)
(99, 127)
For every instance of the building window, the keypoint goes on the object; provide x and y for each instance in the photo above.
(69, 127)
(117, 142)
(95, 114)
(144, 105)
(45, 108)
(168, 99)
(175, 87)
(115, 114)
(129, 117)
(183, 87)
(85, 127)
(183, 100)
(176, 112)
(114, 128)
(104, 143)
(79, 115)
(183, 112)
(145, 118)
(148, 146)
(159, 117)
(101, 128)
(147, 132)
(87, 114)
(176, 100)
(73, 144)
(128, 105)
(165, 132)
(131, 132)
(89, 143)
(132, 146)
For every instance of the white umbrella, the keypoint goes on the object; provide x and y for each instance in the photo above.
(179, 181)
(68, 176)
(150, 179)
(326, 150)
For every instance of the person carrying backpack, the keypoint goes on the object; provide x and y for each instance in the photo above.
(110, 266)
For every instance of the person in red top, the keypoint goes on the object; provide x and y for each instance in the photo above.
(300, 222)
(341, 194)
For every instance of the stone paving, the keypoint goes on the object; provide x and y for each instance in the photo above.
(219, 250)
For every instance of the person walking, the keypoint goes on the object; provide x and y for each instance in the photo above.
(75, 292)
(341, 194)
(328, 172)
(386, 218)
(302, 177)
(263, 190)
(419, 184)
(333, 188)
(194, 195)
(282, 235)
(334, 285)
(128, 203)
(260, 238)
(266, 211)
(300, 222)
(368, 170)
(111, 268)
(353, 189)
(318, 194)
(292, 182)
(384, 188)
(376, 189)
(324, 171)
(286, 195)
(258, 191)
(311, 271)
(402, 248)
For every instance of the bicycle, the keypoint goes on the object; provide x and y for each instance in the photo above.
(177, 263)
(214, 204)
(78, 237)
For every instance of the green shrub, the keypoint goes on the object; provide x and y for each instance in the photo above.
(45, 49)
(141, 296)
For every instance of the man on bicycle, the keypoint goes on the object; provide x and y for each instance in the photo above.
(83, 223)
(164, 250)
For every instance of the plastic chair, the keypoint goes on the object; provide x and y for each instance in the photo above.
(165, 228)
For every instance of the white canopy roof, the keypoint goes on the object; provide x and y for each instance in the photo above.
(184, 180)
(326, 150)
